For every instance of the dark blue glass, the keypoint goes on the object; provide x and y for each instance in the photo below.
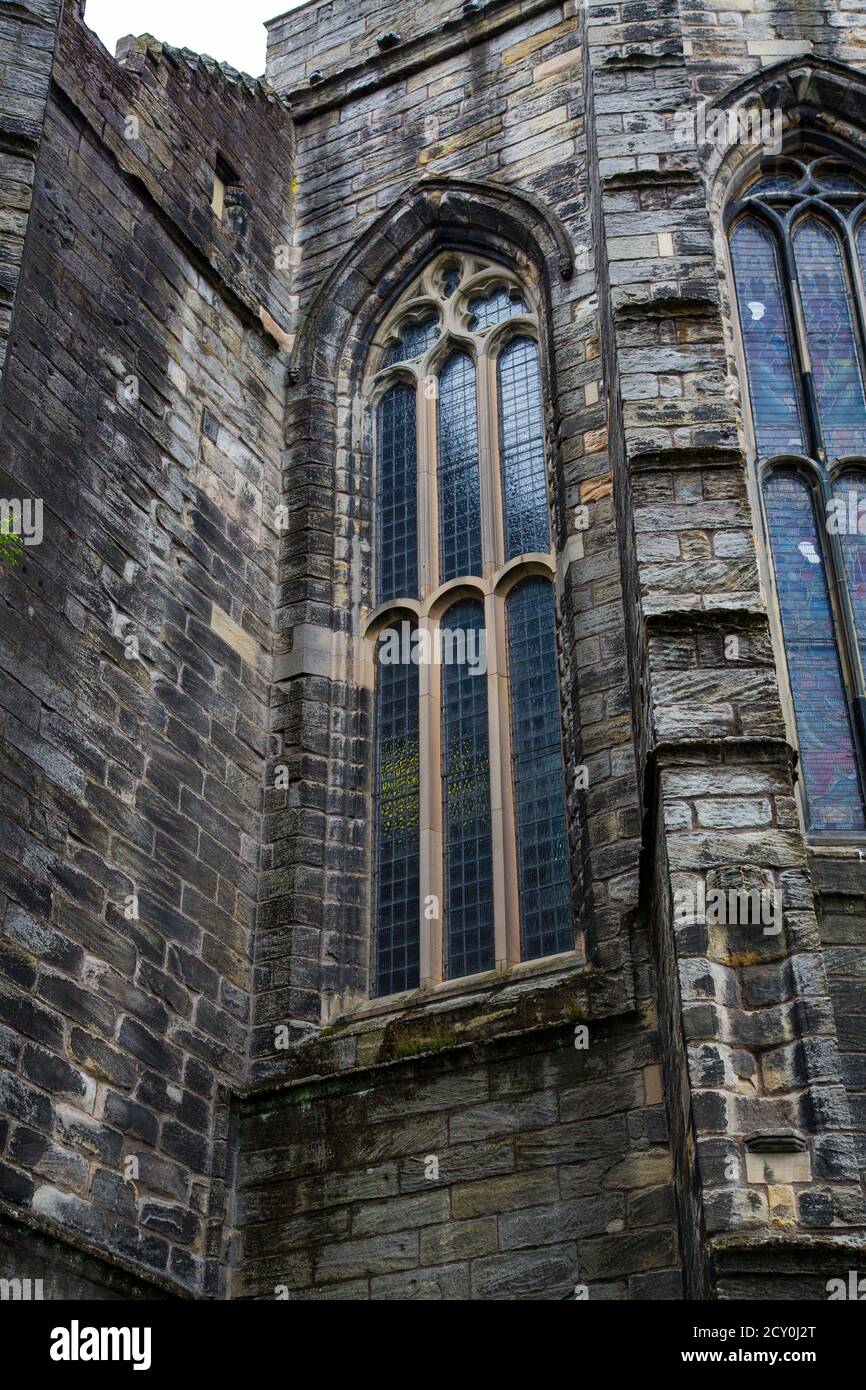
(832, 179)
(397, 802)
(766, 340)
(830, 333)
(413, 340)
(827, 754)
(521, 447)
(397, 491)
(450, 279)
(467, 829)
(486, 310)
(780, 182)
(546, 925)
(459, 490)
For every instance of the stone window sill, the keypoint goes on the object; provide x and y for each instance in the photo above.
(534, 996)
(468, 991)
(839, 847)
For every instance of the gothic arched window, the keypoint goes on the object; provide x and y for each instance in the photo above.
(470, 849)
(798, 248)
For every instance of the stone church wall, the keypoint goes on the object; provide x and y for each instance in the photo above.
(142, 402)
(196, 278)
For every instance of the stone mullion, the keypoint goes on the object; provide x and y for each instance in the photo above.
(754, 1013)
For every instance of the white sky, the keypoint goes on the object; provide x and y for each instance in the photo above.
(228, 30)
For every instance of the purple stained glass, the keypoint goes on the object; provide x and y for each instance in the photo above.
(824, 734)
(861, 247)
(766, 340)
(849, 522)
(830, 333)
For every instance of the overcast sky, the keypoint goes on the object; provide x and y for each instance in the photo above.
(228, 30)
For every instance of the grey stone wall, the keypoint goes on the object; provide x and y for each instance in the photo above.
(523, 1168)
(28, 33)
(143, 408)
(840, 883)
(172, 913)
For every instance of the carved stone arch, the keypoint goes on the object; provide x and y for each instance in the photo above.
(821, 100)
(433, 215)
(324, 686)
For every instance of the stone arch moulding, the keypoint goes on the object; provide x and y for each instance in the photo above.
(433, 214)
(818, 98)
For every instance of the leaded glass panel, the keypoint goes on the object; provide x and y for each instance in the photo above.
(830, 332)
(467, 827)
(522, 454)
(397, 487)
(539, 788)
(766, 341)
(820, 706)
(397, 826)
(849, 522)
(502, 304)
(450, 279)
(459, 485)
(413, 340)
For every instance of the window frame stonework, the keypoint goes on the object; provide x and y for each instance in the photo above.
(428, 609)
(818, 471)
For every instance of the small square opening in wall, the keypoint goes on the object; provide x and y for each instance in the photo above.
(223, 179)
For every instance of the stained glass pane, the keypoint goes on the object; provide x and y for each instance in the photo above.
(450, 279)
(467, 829)
(397, 821)
(835, 179)
(830, 332)
(823, 725)
(521, 443)
(861, 247)
(766, 341)
(459, 490)
(780, 182)
(397, 487)
(849, 522)
(539, 788)
(502, 304)
(414, 339)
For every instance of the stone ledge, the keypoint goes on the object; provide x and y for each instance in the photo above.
(496, 1013)
(649, 178)
(51, 1241)
(796, 1253)
(661, 460)
(665, 304)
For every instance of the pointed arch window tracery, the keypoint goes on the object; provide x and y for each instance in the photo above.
(470, 845)
(797, 235)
